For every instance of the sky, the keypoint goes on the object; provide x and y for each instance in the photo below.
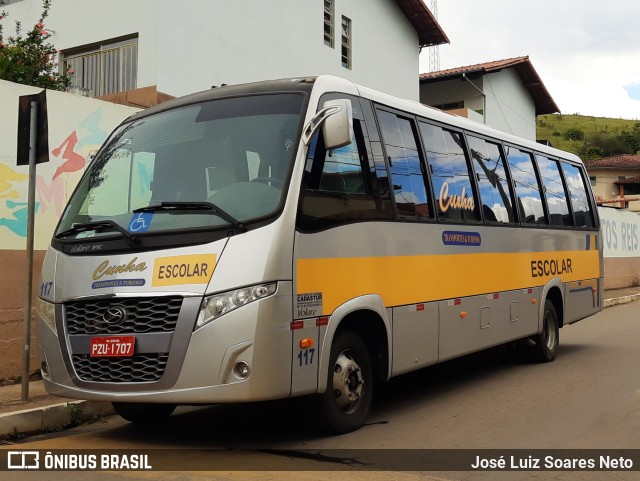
(587, 52)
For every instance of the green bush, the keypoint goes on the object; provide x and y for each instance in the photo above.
(30, 59)
(573, 134)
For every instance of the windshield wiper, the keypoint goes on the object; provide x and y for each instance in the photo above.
(179, 206)
(98, 225)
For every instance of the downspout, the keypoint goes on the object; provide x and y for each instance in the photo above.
(484, 98)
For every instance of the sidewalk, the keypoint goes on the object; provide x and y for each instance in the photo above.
(42, 412)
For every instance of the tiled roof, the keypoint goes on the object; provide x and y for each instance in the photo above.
(543, 101)
(429, 30)
(629, 180)
(617, 161)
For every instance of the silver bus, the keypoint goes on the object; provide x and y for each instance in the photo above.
(307, 237)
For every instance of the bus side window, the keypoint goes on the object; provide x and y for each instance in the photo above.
(527, 186)
(340, 170)
(495, 190)
(559, 213)
(338, 186)
(450, 174)
(406, 166)
(582, 209)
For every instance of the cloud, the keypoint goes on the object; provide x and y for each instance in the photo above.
(585, 51)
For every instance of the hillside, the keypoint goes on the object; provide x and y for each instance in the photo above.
(589, 137)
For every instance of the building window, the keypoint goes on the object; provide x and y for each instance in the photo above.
(346, 43)
(450, 105)
(104, 68)
(593, 179)
(328, 23)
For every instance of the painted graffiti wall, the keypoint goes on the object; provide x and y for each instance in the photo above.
(77, 125)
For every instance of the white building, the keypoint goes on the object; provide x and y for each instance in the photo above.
(506, 94)
(175, 48)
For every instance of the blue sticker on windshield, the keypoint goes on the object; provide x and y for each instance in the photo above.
(140, 222)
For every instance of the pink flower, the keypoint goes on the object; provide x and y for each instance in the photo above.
(70, 71)
(55, 64)
(43, 32)
(40, 25)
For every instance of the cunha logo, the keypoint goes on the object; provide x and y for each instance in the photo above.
(106, 269)
(454, 201)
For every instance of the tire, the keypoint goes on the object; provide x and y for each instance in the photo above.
(143, 413)
(547, 341)
(345, 404)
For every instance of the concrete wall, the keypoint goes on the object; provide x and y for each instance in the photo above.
(77, 125)
(77, 23)
(621, 241)
(509, 107)
(188, 46)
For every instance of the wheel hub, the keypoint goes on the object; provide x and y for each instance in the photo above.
(348, 383)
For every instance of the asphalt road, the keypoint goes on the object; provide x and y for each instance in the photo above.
(589, 398)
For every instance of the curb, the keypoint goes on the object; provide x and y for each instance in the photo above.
(616, 301)
(51, 418)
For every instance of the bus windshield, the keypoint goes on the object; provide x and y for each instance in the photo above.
(208, 165)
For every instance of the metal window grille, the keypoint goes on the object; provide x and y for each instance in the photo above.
(328, 23)
(346, 43)
(106, 70)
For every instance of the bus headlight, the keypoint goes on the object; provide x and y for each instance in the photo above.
(47, 313)
(219, 304)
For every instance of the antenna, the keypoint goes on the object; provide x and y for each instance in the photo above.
(434, 51)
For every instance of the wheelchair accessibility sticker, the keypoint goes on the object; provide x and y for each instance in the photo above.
(140, 222)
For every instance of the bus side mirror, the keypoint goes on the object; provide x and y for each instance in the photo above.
(338, 126)
(336, 119)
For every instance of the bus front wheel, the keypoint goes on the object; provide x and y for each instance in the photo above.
(143, 413)
(345, 404)
(547, 341)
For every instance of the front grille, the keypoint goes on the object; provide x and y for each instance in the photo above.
(144, 314)
(138, 368)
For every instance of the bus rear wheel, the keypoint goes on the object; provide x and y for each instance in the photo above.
(547, 341)
(345, 404)
(143, 413)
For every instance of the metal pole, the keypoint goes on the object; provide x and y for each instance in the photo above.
(26, 354)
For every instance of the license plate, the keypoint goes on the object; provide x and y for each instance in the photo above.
(112, 346)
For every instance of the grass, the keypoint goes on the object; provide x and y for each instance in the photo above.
(555, 127)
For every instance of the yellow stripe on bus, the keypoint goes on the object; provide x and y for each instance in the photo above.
(403, 280)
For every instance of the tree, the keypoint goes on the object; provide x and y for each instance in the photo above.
(632, 138)
(30, 59)
(604, 145)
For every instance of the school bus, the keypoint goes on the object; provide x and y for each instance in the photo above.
(307, 237)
